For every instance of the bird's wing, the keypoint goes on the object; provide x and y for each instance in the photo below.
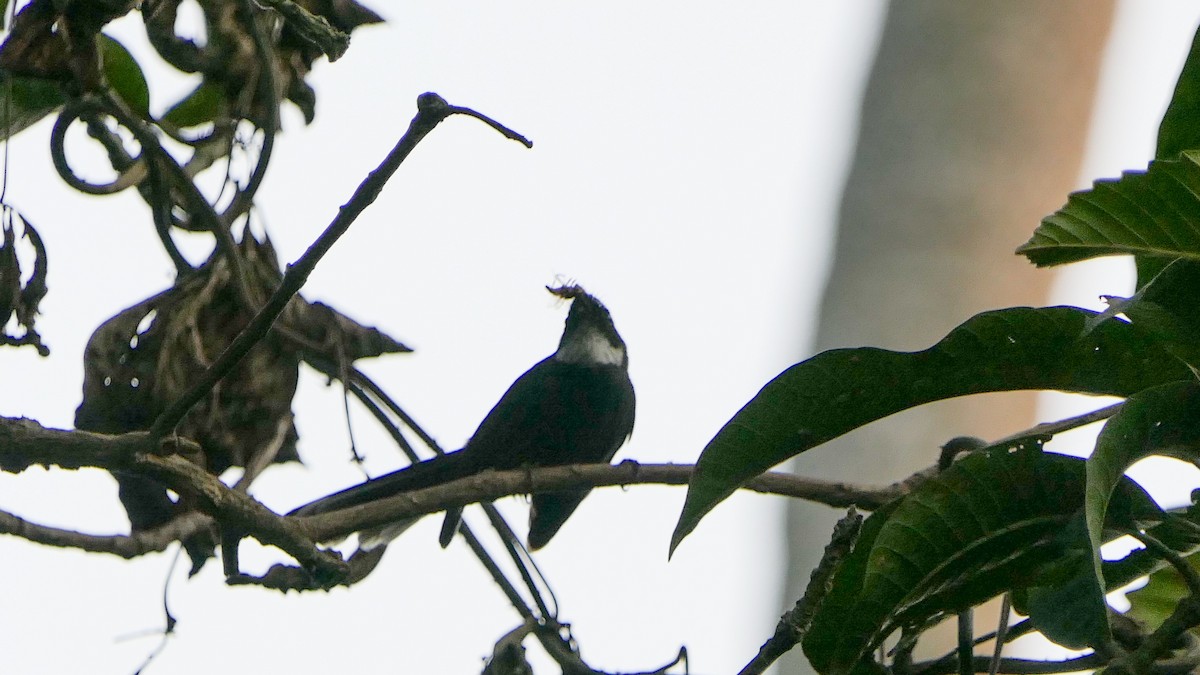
(555, 414)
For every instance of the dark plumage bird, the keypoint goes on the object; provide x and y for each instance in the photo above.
(576, 406)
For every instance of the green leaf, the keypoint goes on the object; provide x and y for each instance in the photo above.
(1164, 420)
(1154, 602)
(31, 100)
(1168, 307)
(840, 390)
(1145, 213)
(835, 615)
(201, 106)
(1180, 129)
(1179, 536)
(992, 522)
(1069, 611)
(125, 76)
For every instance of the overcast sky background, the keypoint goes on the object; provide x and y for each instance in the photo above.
(686, 168)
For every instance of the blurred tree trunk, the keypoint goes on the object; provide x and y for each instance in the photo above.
(973, 128)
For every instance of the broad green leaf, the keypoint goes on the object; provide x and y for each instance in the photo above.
(1145, 213)
(834, 616)
(1178, 131)
(1179, 536)
(125, 76)
(201, 106)
(1180, 127)
(843, 389)
(1164, 420)
(1066, 608)
(31, 99)
(1149, 267)
(1154, 602)
(992, 522)
(1168, 307)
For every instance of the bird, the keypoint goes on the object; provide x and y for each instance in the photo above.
(575, 406)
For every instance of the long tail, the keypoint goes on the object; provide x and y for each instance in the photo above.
(421, 475)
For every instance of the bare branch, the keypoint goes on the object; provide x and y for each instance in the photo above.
(243, 514)
(125, 546)
(25, 443)
(1048, 429)
(492, 485)
(289, 578)
(794, 623)
(1029, 666)
(431, 110)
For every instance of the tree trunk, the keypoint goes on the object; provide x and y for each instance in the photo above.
(973, 128)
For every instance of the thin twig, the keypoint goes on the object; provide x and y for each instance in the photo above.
(523, 561)
(1018, 666)
(269, 102)
(361, 379)
(518, 554)
(1019, 629)
(1190, 577)
(507, 133)
(502, 581)
(1001, 631)
(380, 416)
(290, 578)
(794, 623)
(526, 566)
(431, 110)
(124, 546)
(1047, 429)
(966, 636)
(1183, 618)
(169, 619)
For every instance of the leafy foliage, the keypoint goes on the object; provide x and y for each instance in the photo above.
(1007, 519)
(1145, 213)
(842, 389)
(1018, 520)
(1154, 602)
(125, 75)
(199, 107)
(991, 522)
(1178, 131)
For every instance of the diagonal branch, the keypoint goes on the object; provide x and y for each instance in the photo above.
(241, 513)
(431, 110)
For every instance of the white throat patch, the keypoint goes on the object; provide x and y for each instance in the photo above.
(592, 348)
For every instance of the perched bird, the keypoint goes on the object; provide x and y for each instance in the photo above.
(575, 406)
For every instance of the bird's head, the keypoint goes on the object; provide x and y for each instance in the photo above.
(589, 337)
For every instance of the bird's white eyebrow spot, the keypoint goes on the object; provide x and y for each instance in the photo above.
(591, 347)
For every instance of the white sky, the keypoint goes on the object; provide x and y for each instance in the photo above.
(686, 166)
